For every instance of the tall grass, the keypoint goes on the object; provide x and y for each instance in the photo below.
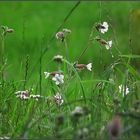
(89, 105)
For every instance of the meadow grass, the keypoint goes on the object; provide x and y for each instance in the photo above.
(102, 103)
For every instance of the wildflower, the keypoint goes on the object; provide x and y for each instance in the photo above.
(3, 138)
(89, 66)
(58, 78)
(47, 74)
(115, 126)
(6, 30)
(83, 66)
(102, 27)
(58, 99)
(23, 94)
(36, 97)
(62, 34)
(58, 58)
(123, 89)
(107, 44)
(78, 111)
(66, 30)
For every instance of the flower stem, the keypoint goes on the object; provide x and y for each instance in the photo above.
(2, 58)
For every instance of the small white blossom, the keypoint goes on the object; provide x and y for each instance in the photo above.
(58, 78)
(60, 35)
(89, 66)
(108, 45)
(104, 27)
(66, 30)
(47, 74)
(77, 111)
(123, 89)
(58, 99)
(58, 58)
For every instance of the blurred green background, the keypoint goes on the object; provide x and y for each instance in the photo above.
(36, 22)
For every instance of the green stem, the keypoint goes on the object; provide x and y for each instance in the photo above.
(2, 58)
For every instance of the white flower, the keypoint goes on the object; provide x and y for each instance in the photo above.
(23, 94)
(123, 89)
(58, 99)
(77, 110)
(89, 66)
(58, 78)
(60, 35)
(66, 30)
(104, 27)
(108, 45)
(47, 74)
(58, 58)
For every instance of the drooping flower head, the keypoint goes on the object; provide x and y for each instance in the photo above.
(62, 34)
(58, 58)
(107, 44)
(83, 66)
(6, 30)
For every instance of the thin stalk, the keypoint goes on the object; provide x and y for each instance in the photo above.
(26, 71)
(2, 57)
(40, 72)
(90, 39)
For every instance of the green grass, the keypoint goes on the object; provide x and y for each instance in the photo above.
(28, 54)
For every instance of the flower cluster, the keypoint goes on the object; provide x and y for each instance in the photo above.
(58, 99)
(103, 28)
(25, 95)
(58, 77)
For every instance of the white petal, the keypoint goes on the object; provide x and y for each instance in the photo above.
(105, 24)
(102, 31)
(54, 79)
(57, 83)
(61, 76)
(89, 66)
(110, 43)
